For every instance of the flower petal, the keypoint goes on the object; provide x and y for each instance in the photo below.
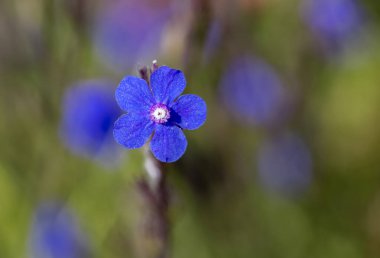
(167, 84)
(132, 130)
(168, 143)
(133, 95)
(190, 112)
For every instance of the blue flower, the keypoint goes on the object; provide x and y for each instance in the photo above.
(121, 31)
(284, 164)
(252, 91)
(333, 21)
(55, 233)
(157, 109)
(89, 112)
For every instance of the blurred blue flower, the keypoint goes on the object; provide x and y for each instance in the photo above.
(333, 21)
(284, 164)
(129, 32)
(213, 38)
(252, 91)
(89, 111)
(55, 233)
(158, 109)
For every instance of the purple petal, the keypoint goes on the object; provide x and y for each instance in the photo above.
(167, 84)
(132, 130)
(190, 112)
(168, 143)
(134, 95)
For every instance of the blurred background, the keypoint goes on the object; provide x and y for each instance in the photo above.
(286, 164)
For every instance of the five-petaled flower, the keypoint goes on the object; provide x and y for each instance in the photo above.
(156, 109)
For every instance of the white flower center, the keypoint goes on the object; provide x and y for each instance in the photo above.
(159, 113)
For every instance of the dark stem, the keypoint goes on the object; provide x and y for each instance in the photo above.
(156, 226)
(144, 74)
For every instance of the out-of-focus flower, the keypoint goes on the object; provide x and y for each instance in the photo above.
(89, 111)
(252, 91)
(213, 38)
(284, 164)
(157, 109)
(129, 32)
(55, 233)
(333, 21)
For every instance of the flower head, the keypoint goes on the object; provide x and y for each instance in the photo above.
(55, 233)
(120, 31)
(252, 91)
(157, 109)
(89, 111)
(333, 21)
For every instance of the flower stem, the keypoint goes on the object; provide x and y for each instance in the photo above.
(155, 195)
(154, 192)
